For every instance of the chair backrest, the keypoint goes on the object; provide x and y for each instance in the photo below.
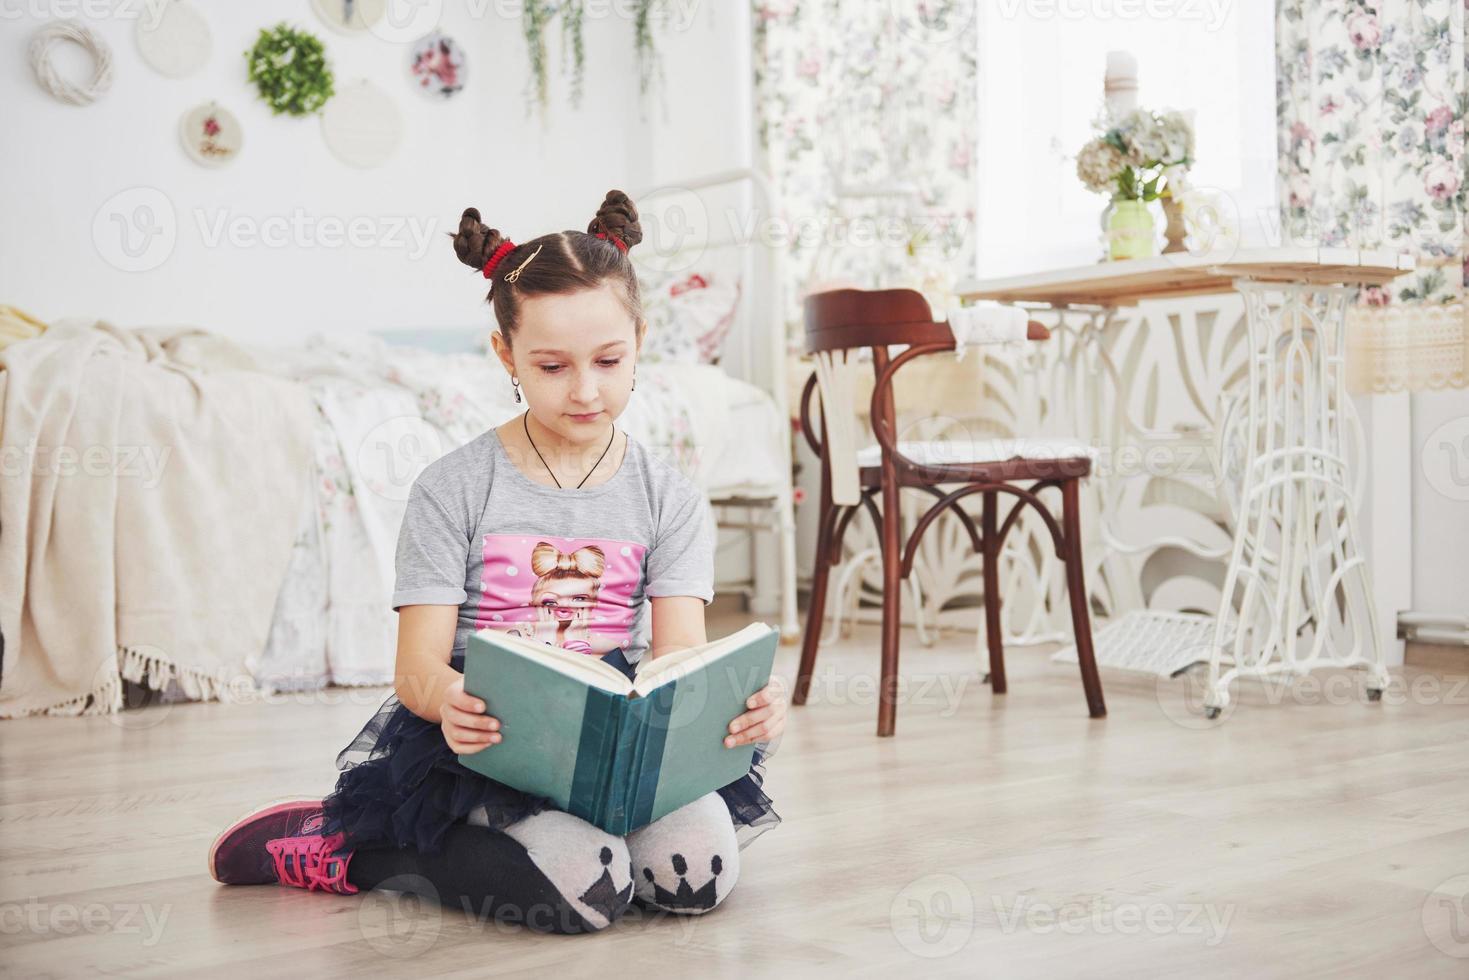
(839, 325)
(847, 318)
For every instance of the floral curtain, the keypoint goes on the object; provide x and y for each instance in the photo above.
(866, 119)
(1371, 103)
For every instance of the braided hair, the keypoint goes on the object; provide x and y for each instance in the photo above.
(564, 261)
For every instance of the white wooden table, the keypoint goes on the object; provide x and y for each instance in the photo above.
(1298, 591)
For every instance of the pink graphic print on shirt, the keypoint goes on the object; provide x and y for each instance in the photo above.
(568, 592)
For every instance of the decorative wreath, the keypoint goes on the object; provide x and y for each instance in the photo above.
(290, 71)
(42, 43)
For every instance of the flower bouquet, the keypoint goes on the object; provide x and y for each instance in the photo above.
(1139, 158)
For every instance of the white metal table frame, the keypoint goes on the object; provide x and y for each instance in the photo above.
(1296, 564)
(1298, 593)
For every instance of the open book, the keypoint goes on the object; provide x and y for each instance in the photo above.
(617, 753)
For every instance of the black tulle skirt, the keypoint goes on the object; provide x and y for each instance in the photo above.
(402, 786)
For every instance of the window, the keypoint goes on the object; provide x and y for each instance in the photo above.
(1041, 67)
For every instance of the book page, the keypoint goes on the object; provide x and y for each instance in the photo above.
(584, 667)
(655, 672)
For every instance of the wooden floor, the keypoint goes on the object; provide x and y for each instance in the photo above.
(1008, 837)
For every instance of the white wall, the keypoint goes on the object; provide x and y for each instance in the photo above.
(703, 123)
(1440, 514)
(1416, 508)
(62, 163)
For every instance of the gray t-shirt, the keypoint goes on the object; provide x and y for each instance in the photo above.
(567, 567)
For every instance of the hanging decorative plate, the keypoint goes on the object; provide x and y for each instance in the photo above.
(437, 65)
(173, 38)
(211, 134)
(361, 125)
(350, 16)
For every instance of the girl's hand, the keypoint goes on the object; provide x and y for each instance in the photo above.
(466, 727)
(766, 718)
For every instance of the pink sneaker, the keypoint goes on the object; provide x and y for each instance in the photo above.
(281, 843)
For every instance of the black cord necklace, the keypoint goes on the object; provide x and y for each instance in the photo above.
(526, 419)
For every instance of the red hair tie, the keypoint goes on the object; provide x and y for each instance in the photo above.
(615, 240)
(506, 247)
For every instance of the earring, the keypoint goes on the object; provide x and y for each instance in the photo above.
(515, 383)
(634, 380)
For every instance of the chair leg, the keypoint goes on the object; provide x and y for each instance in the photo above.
(790, 617)
(1081, 622)
(892, 595)
(990, 533)
(816, 611)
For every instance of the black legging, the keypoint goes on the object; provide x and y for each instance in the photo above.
(553, 872)
(481, 871)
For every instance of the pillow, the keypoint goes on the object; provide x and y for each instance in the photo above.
(444, 340)
(689, 315)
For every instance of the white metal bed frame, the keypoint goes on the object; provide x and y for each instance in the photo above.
(755, 351)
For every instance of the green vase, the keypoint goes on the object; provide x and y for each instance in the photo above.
(1130, 230)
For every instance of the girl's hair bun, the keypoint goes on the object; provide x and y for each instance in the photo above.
(475, 243)
(618, 216)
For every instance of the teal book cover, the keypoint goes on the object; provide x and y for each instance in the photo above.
(617, 753)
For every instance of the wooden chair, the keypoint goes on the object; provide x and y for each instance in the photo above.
(838, 325)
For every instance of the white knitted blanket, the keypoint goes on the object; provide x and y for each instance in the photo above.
(150, 486)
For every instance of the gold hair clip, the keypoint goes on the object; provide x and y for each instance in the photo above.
(514, 275)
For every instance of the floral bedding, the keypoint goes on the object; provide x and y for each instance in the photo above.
(383, 412)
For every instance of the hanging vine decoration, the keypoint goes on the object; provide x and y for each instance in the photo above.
(533, 22)
(537, 15)
(648, 64)
(572, 16)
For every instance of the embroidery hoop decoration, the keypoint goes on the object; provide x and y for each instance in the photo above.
(436, 91)
(230, 138)
(45, 40)
(176, 42)
(360, 15)
(361, 125)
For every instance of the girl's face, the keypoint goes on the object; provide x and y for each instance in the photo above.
(574, 356)
(564, 600)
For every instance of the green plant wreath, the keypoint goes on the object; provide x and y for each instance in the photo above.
(290, 71)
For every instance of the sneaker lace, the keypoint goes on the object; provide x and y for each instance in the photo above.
(311, 862)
